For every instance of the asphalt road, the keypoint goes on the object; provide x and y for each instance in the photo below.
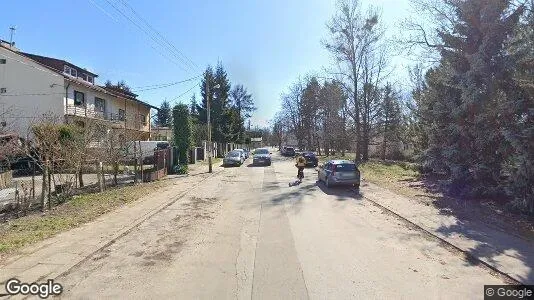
(246, 234)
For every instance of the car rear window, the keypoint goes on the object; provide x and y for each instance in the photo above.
(261, 151)
(233, 154)
(345, 167)
(290, 149)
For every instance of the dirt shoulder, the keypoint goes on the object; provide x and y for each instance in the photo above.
(408, 182)
(18, 233)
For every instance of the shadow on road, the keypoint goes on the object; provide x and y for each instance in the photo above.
(251, 165)
(342, 193)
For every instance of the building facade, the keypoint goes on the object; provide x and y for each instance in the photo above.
(34, 86)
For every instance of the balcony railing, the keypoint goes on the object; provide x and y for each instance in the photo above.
(82, 111)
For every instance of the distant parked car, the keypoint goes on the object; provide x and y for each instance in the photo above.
(245, 153)
(289, 151)
(233, 158)
(311, 159)
(339, 172)
(262, 156)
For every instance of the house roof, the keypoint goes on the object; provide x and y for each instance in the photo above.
(55, 64)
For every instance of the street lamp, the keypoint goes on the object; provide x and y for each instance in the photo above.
(210, 144)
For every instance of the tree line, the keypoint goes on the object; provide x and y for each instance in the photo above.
(230, 108)
(468, 114)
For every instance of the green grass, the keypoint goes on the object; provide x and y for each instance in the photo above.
(81, 209)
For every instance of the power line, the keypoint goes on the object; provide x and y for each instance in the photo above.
(162, 85)
(151, 36)
(182, 94)
(159, 34)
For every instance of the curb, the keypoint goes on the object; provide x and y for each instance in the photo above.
(127, 230)
(468, 256)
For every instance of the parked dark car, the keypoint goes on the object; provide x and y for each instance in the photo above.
(289, 151)
(261, 156)
(339, 172)
(311, 159)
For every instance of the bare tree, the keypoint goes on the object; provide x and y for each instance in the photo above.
(292, 108)
(352, 35)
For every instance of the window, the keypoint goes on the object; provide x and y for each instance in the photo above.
(70, 71)
(2, 61)
(84, 76)
(142, 119)
(79, 98)
(122, 114)
(90, 79)
(345, 167)
(100, 104)
(3, 90)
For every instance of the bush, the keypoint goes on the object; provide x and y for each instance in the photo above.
(180, 169)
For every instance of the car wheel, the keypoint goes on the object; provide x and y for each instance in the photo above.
(328, 184)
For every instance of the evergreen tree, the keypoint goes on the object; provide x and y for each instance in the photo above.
(193, 106)
(390, 119)
(242, 101)
(465, 90)
(182, 131)
(517, 111)
(163, 115)
(219, 106)
(208, 82)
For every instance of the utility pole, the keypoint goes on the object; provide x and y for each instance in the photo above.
(210, 168)
(210, 144)
(12, 32)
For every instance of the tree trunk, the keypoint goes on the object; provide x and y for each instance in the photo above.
(99, 176)
(44, 189)
(115, 172)
(365, 145)
(49, 187)
(80, 177)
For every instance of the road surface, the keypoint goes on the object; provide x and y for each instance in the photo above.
(245, 234)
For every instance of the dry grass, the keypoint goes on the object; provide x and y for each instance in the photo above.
(392, 176)
(81, 209)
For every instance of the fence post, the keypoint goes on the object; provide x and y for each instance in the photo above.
(103, 176)
(99, 175)
(49, 189)
(135, 162)
(33, 181)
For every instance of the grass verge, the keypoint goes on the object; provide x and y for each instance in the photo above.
(393, 176)
(81, 209)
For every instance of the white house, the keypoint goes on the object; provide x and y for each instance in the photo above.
(33, 85)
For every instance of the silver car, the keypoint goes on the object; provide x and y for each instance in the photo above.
(339, 172)
(243, 152)
(233, 158)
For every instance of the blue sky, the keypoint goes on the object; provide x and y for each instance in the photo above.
(265, 45)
